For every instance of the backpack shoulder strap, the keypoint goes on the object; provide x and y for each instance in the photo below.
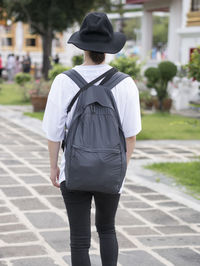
(76, 77)
(115, 79)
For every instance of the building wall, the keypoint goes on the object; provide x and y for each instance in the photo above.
(22, 40)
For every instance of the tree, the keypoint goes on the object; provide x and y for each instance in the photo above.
(160, 30)
(158, 78)
(131, 25)
(46, 17)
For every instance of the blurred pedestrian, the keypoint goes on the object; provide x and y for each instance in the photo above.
(1, 66)
(18, 65)
(56, 59)
(10, 67)
(27, 63)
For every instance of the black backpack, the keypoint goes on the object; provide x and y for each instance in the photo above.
(95, 146)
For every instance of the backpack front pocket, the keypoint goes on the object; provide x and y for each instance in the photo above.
(95, 169)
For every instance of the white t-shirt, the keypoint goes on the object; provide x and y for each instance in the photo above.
(63, 90)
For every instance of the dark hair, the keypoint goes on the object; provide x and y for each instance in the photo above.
(97, 57)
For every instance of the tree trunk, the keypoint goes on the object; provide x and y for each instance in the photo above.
(47, 48)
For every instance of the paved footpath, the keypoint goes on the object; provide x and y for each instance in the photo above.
(153, 228)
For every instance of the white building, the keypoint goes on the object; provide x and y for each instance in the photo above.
(184, 26)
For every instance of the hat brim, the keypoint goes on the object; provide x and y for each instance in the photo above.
(110, 47)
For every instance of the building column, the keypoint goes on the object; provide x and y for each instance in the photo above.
(174, 40)
(147, 26)
(19, 38)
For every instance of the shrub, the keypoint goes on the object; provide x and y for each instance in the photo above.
(194, 65)
(152, 74)
(22, 79)
(40, 88)
(127, 65)
(146, 99)
(168, 70)
(159, 77)
(77, 60)
(57, 69)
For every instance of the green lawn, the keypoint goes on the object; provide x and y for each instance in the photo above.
(38, 115)
(186, 174)
(11, 94)
(159, 126)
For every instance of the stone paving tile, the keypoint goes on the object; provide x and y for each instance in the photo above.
(157, 217)
(12, 227)
(46, 220)
(7, 180)
(3, 263)
(56, 202)
(34, 262)
(169, 204)
(2, 171)
(18, 237)
(29, 204)
(156, 197)
(138, 258)
(18, 251)
(4, 209)
(125, 218)
(47, 190)
(180, 256)
(139, 189)
(125, 198)
(183, 240)
(124, 242)
(136, 205)
(58, 240)
(22, 170)
(9, 218)
(136, 231)
(179, 229)
(34, 179)
(18, 191)
(188, 215)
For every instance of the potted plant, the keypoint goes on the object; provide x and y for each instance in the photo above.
(146, 99)
(39, 94)
(193, 68)
(158, 78)
(22, 79)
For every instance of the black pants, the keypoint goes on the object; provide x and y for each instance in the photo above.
(78, 206)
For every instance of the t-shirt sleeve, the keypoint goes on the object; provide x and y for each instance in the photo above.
(56, 108)
(130, 111)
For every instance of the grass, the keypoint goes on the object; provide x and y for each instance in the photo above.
(160, 126)
(11, 94)
(186, 174)
(38, 115)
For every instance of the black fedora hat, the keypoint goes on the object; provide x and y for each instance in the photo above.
(96, 34)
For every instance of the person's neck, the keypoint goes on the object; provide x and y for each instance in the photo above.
(89, 63)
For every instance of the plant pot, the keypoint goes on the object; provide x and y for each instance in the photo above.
(39, 103)
(149, 104)
(166, 106)
(146, 104)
